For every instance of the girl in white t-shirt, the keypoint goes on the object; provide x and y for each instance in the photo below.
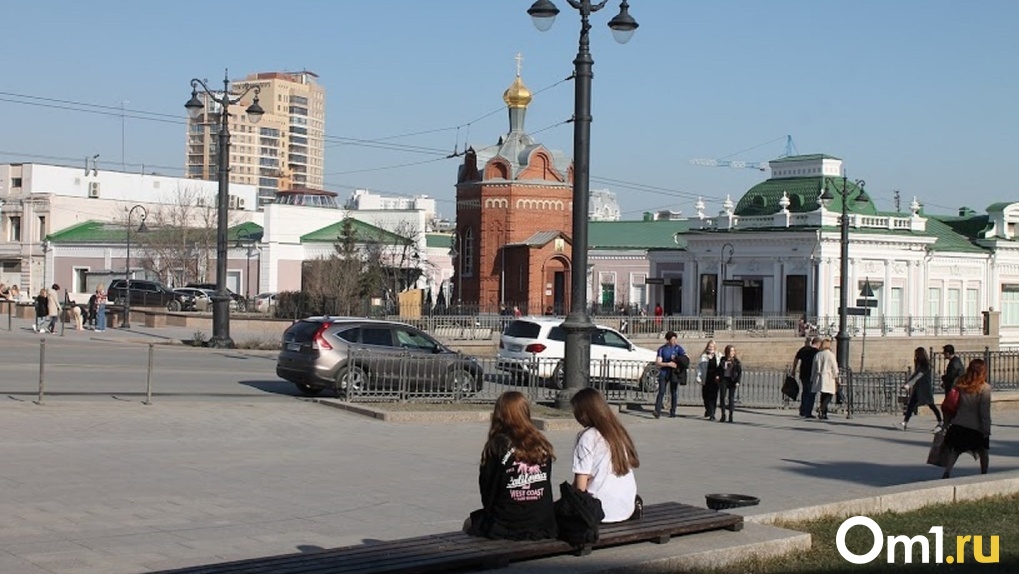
(604, 458)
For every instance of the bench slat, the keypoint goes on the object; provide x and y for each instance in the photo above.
(456, 550)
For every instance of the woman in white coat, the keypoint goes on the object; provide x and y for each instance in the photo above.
(825, 376)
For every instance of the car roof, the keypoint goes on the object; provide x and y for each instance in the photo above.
(553, 321)
(359, 320)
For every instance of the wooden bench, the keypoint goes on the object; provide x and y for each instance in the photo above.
(453, 551)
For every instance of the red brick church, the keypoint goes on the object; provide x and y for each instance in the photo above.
(514, 204)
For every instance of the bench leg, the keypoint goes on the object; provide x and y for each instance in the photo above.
(582, 550)
(661, 539)
(735, 527)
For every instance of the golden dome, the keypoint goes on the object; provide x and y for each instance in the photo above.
(517, 95)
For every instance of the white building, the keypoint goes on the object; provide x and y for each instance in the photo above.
(364, 200)
(777, 252)
(37, 200)
(603, 206)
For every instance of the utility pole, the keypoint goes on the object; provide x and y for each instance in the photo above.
(123, 162)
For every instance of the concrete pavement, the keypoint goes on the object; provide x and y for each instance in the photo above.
(113, 486)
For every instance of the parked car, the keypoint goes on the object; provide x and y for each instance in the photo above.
(236, 301)
(264, 302)
(346, 353)
(202, 298)
(145, 293)
(536, 346)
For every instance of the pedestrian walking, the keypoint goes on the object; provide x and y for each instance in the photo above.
(731, 373)
(41, 310)
(100, 308)
(805, 361)
(672, 364)
(515, 477)
(825, 376)
(53, 308)
(953, 370)
(708, 376)
(969, 427)
(920, 388)
(604, 458)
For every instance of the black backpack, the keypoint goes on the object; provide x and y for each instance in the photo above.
(578, 516)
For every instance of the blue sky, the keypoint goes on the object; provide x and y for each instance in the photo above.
(915, 95)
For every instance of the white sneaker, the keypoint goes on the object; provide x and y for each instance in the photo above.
(900, 425)
(937, 428)
(35, 328)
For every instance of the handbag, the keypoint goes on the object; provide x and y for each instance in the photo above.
(791, 388)
(938, 454)
(950, 406)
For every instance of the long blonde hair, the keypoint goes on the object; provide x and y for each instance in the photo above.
(591, 410)
(708, 345)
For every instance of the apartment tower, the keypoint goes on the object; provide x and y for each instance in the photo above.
(284, 150)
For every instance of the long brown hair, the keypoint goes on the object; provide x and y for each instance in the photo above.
(921, 362)
(591, 410)
(511, 419)
(974, 377)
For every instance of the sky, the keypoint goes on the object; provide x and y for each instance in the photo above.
(915, 95)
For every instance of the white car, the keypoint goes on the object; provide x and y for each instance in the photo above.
(536, 346)
(264, 302)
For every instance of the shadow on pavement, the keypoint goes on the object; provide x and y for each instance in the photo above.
(277, 387)
(880, 475)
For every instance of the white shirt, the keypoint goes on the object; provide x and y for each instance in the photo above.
(616, 493)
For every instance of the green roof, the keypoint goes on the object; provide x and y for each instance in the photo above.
(805, 157)
(636, 234)
(112, 232)
(440, 240)
(363, 233)
(247, 231)
(763, 198)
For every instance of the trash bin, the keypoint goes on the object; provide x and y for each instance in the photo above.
(726, 501)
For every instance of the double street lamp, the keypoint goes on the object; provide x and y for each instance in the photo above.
(221, 298)
(578, 325)
(126, 322)
(842, 338)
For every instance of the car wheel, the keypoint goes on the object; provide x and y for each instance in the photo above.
(352, 378)
(307, 389)
(559, 376)
(173, 306)
(649, 379)
(461, 382)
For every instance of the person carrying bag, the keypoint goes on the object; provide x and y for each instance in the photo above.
(672, 363)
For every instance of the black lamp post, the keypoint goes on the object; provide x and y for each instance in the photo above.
(578, 325)
(244, 239)
(723, 263)
(842, 338)
(221, 299)
(126, 322)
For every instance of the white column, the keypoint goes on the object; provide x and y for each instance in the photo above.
(778, 284)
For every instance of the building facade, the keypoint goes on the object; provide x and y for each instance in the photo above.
(285, 149)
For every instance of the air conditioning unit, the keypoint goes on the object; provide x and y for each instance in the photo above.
(93, 189)
(236, 202)
(200, 202)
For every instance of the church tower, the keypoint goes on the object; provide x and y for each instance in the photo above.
(513, 215)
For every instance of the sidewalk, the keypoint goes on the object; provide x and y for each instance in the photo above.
(240, 332)
(119, 487)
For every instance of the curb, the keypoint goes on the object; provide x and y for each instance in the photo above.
(900, 498)
(440, 417)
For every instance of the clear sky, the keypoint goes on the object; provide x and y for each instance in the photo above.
(914, 95)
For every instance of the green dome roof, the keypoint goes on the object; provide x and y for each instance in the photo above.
(763, 198)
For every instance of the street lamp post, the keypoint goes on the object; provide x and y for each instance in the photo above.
(578, 325)
(723, 263)
(842, 338)
(126, 322)
(221, 299)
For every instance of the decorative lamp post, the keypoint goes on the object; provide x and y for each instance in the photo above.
(842, 338)
(244, 239)
(126, 322)
(578, 325)
(723, 262)
(221, 299)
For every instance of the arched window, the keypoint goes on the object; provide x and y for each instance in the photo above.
(468, 255)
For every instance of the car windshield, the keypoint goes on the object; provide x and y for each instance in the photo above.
(523, 330)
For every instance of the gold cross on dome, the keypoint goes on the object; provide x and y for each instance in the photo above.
(520, 62)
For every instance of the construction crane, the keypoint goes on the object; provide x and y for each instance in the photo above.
(790, 150)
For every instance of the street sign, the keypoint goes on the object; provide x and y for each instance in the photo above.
(733, 283)
(654, 281)
(860, 311)
(866, 302)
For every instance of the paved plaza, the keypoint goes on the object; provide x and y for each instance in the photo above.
(100, 483)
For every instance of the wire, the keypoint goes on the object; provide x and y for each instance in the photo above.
(387, 167)
(651, 188)
(754, 147)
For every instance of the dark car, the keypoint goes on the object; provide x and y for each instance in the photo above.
(145, 293)
(240, 303)
(372, 356)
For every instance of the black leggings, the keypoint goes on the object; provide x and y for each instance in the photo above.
(912, 404)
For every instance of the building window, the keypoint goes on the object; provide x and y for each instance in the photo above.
(1010, 305)
(607, 282)
(954, 302)
(16, 182)
(467, 257)
(80, 280)
(895, 304)
(14, 228)
(709, 293)
(42, 228)
(972, 302)
(638, 290)
(796, 294)
(933, 301)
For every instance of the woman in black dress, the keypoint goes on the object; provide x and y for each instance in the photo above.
(970, 426)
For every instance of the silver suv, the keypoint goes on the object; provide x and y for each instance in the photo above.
(349, 354)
